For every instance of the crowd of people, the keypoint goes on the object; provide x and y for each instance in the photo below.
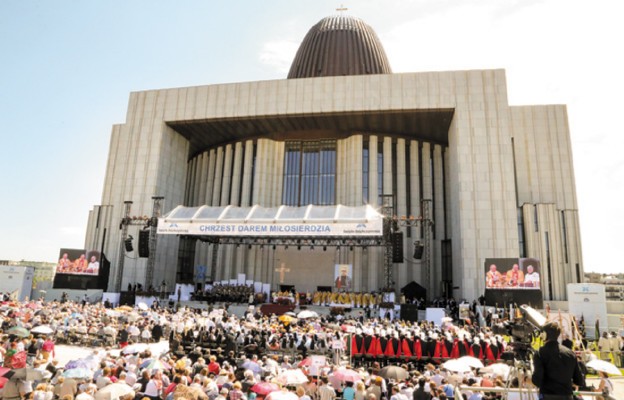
(211, 354)
(229, 293)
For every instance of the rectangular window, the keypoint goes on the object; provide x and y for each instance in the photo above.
(310, 173)
(365, 173)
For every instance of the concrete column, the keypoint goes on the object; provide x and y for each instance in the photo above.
(203, 174)
(212, 161)
(218, 178)
(227, 176)
(438, 208)
(247, 174)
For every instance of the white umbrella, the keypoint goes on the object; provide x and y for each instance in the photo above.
(134, 348)
(471, 361)
(292, 377)
(498, 369)
(113, 391)
(143, 306)
(307, 314)
(282, 395)
(42, 329)
(604, 366)
(456, 366)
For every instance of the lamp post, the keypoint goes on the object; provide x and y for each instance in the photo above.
(425, 222)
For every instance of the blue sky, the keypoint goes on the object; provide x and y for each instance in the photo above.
(68, 67)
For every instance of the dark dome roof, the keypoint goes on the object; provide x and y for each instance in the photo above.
(339, 45)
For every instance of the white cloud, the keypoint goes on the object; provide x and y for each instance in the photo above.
(279, 54)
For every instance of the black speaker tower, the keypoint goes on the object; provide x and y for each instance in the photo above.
(144, 243)
(397, 247)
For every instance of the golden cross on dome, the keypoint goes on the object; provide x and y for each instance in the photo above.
(342, 8)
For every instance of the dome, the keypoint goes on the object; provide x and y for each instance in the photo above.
(339, 45)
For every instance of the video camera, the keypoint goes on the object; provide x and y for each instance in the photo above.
(522, 330)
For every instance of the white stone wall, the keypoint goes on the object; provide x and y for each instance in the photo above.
(547, 194)
(147, 158)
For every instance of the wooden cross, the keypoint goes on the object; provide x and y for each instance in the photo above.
(282, 270)
(342, 8)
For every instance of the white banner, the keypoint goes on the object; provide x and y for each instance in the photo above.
(589, 301)
(271, 229)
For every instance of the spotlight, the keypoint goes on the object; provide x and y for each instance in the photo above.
(351, 247)
(299, 247)
(324, 248)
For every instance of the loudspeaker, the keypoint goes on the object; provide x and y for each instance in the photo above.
(144, 243)
(397, 247)
(419, 249)
(409, 312)
(128, 244)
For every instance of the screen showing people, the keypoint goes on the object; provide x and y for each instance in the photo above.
(78, 262)
(343, 278)
(506, 273)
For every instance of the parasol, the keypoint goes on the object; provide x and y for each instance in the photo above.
(604, 366)
(394, 372)
(292, 377)
(264, 388)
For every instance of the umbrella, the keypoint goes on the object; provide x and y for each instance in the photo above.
(155, 364)
(292, 377)
(78, 373)
(498, 369)
(307, 314)
(134, 348)
(142, 306)
(253, 366)
(113, 391)
(287, 319)
(264, 388)
(19, 360)
(456, 366)
(471, 361)
(394, 372)
(347, 375)
(291, 313)
(282, 395)
(78, 364)
(604, 366)
(42, 329)
(19, 331)
(313, 360)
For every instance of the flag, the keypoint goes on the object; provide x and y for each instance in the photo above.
(597, 329)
